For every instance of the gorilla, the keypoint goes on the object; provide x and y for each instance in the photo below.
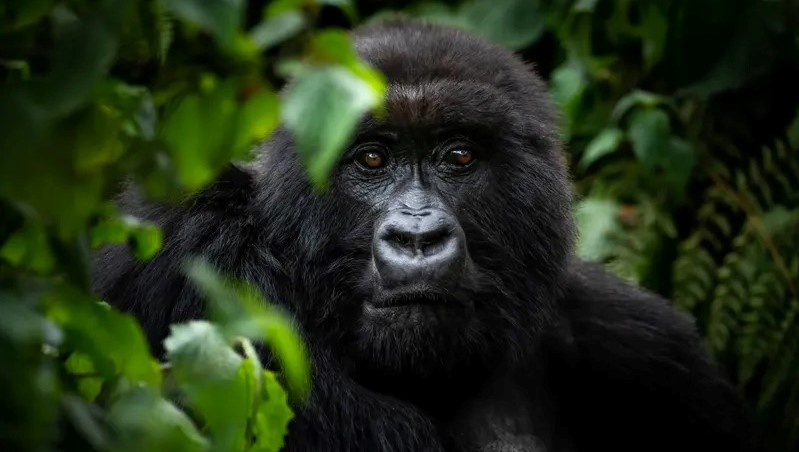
(435, 281)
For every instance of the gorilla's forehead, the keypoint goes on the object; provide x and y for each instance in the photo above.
(448, 103)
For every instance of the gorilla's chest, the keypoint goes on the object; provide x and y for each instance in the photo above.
(508, 417)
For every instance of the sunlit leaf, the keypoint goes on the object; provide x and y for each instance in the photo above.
(596, 220)
(29, 248)
(81, 366)
(112, 340)
(273, 416)
(606, 142)
(637, 98)
(210, 374)
(240, 310)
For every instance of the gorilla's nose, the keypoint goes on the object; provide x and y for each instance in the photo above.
(419, 246)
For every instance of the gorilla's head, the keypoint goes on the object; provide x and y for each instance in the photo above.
(447, 226)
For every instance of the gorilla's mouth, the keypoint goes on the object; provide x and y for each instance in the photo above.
(411, 298)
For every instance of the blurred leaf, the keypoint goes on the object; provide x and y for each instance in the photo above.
(85, 48)
(146, 422)
(273, 416)
(653, 29)
(211, 375)
(596, 220)
(80, 365)
(584, 6)
(112, 340)
(568, 85)
(206, 131)
(145, 237)
(678, 162)
(277, 29)
(649, 132)
(87, 419)
(603, 144)
(15, 15)
(321, 109)
(240, 310)
(518, 23)
(638, 98)
(29, 248)
(220, 17)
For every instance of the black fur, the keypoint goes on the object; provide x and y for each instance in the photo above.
(551, 354)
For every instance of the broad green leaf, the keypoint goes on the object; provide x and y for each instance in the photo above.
(567, 86)
(222, 18)
(146, 422)
(321, 109)
(596, 220)
(112, 340)
(273, 416)
(606, 142)
(649, 132)
(213, 379)
(277, 29)
(637, 98)
(240, 310)
(516, 24)
(206, 131)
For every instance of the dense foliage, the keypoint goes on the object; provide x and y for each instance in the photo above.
(680, 119)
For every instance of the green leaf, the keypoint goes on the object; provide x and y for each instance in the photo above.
(321, 109)
(85, 50)
(606, 142)
(273, 416)
(678, 162)
(222, 18)
(112, 340)
(638, 98)
(517, 24)
(649, 132)
(204, 132)
(568, 85)
(14, 15)
(213, 379)
(29, 248)
(653, 30)
(240, 310)
(793, 131)
(146, 422)
(596, 220)
(81, 365)
(277, 29)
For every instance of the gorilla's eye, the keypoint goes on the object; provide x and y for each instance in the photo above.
(459, 157)
(371, 158)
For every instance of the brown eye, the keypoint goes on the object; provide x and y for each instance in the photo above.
(372, 159)
(460, 157)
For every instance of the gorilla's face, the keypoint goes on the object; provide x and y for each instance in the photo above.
(449, 217)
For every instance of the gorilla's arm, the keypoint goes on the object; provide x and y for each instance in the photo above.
(639, 376)
(217, 224)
